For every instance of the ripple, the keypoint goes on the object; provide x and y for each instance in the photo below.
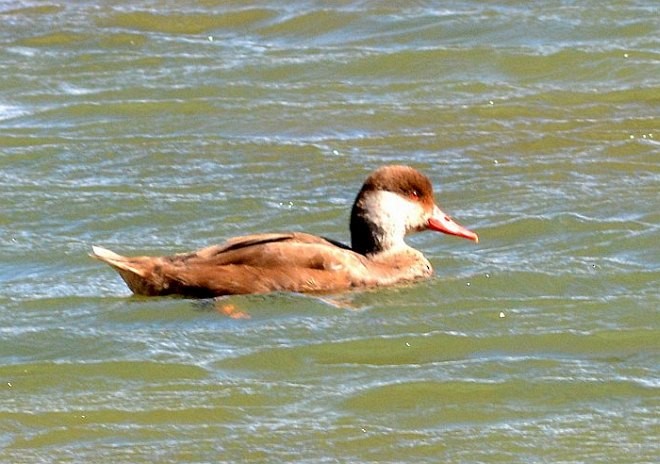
(189, 23)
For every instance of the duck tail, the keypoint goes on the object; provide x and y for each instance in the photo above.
(118, 262)
(137, 272)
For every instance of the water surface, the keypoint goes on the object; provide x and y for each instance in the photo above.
(161, 126)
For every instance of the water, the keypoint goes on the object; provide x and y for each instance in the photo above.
(161, 126)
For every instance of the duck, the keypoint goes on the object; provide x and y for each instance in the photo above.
(394, 201)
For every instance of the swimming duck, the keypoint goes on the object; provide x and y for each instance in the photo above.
(394, 201)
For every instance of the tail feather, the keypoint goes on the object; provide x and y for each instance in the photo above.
(137, 272)
(115, 260)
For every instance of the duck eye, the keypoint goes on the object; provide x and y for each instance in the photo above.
(414, 195)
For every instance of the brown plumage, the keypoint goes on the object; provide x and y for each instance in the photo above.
(394, 201)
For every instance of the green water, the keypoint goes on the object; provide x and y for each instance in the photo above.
(161, 126)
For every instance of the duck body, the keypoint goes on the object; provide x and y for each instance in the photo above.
(262, 263)
(394, 201)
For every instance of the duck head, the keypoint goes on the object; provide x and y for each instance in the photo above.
(394, 201)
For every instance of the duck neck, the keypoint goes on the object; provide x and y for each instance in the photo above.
(373, 228)
(366, 237)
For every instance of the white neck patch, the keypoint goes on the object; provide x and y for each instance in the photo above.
(395, 215)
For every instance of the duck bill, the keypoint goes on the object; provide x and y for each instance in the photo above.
(441, 222)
